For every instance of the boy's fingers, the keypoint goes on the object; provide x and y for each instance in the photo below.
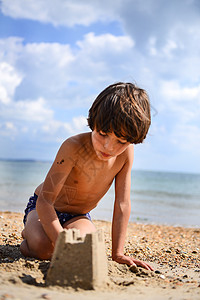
(143, 265)
(151, 268)
(133, 265)
(133, 262)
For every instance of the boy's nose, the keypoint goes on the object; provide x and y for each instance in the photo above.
(108, 144)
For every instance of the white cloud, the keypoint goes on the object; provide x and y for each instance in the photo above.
(34, 111)
(166, 51)
(105, 42)
(9, 125)
(104, 57)
(152, 46)
(55, 76)
(51, 69)
(172, 90)
(23, 117)
(49, 54)
(45, 68)
(59, 12)
(55, 130)
(11, 49)
(169, 47)
(35, 120)
(79, 124)
(184, 101)
(176, 128)
(9, 80)
(8, 129)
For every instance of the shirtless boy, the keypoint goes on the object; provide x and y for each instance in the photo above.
(83, 171)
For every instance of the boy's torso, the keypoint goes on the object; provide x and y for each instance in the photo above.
(89, 179)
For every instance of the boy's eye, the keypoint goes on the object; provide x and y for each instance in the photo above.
(102, 133)
(122, 143)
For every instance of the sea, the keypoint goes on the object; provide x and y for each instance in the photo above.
(156, 197)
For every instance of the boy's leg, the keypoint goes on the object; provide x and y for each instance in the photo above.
(82, 223)
(36, 243)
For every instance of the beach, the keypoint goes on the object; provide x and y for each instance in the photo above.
(172, 251)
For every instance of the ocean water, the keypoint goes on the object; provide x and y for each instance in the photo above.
(156, 197)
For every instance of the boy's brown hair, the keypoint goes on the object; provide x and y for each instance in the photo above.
(122, 108)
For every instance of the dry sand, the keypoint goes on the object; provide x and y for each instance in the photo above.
(174, 252)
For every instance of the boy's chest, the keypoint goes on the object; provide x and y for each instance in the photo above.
(89, 173)
(89, 170)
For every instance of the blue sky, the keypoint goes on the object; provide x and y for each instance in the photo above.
(57, 55)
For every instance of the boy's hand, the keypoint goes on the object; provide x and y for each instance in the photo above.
(123, 259)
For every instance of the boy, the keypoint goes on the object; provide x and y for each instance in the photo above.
(83, 171)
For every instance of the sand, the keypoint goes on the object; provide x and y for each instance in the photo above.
(174, 252)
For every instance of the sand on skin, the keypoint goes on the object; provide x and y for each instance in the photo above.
(172, 251)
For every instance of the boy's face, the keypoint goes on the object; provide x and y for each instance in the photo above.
(108, 145)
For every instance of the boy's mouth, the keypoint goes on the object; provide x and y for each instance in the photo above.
(105, 154)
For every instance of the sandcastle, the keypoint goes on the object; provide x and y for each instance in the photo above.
(77, 261)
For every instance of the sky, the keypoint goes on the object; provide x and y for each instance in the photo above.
(56, 56)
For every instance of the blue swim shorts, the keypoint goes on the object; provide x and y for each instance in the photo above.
(63, 217)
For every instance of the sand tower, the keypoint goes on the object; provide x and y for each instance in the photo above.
(77, 261)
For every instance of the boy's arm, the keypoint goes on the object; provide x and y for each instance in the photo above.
(121, 214)
(52, 185)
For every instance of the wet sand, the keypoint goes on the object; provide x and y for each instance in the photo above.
(174, 252)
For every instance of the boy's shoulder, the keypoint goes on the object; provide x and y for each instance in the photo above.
(79, 139)
(76, 142)
(128, 154)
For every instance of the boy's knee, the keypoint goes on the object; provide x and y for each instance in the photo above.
(83, 224)
(43, 248)
(24, 249)
(39, 247)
